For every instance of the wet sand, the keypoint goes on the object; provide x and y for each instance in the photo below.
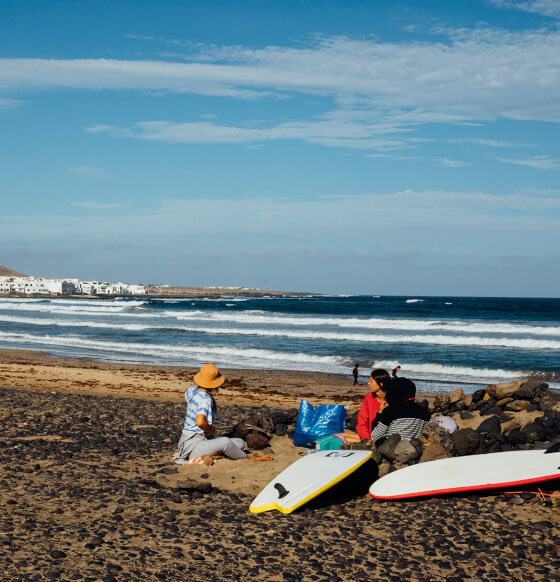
(88, 491)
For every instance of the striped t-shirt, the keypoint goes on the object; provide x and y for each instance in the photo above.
(198, 402)
(404, 418)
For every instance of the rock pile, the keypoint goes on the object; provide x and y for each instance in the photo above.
(504, 417)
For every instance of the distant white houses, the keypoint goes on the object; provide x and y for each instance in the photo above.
(40, 286)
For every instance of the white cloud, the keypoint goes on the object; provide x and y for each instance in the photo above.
(477, 75)
(89, 171)
(493, 143)
(328, 132)
(9, 103)
(91, 205)
(544, 7)
(539, 162)
(452, 163)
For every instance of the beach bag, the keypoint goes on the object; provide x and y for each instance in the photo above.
(315, 423)
(332, 442)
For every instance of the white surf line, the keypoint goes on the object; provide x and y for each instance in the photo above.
(443, 340)
(169, 349)
(372, 323)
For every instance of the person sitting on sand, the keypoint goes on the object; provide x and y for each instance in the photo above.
(373, 403)
(197, 439)
(402, 414)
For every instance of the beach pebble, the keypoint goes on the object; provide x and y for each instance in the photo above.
(115, 508)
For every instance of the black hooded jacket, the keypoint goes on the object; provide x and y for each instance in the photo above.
(403, 415)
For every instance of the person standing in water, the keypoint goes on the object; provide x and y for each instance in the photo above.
(356, 373)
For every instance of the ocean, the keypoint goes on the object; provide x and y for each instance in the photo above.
(441, 343)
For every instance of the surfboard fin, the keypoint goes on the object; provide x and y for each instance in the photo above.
(282, 491)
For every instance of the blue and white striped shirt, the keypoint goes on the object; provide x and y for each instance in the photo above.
(198, 402)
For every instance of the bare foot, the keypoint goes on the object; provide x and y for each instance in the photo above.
(262, 458)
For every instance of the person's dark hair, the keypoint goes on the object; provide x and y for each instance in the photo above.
(380, 376)
(400, 390)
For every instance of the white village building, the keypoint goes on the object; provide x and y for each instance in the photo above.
(40, 286)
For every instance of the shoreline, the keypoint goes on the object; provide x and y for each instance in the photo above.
(38, 370)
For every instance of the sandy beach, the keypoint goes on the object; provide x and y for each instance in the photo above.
(89, 491)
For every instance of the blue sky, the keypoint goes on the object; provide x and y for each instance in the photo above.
(403, 147)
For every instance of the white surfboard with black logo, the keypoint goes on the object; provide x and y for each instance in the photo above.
(307, 478)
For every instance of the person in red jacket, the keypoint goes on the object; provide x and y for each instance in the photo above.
(373, 403)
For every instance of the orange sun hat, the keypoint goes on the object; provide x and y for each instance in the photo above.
(209, 377)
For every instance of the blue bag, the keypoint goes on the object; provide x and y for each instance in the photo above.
(315, 423)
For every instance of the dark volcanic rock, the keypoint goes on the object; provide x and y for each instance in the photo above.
(466, 441)
(441, 402)
(478, 395)
(490, 426)
(193, 485)
(280, 429)
(535, 431)
(433, 433)
(257, 441)
(533, 388)
(387, 449)
(516, 437)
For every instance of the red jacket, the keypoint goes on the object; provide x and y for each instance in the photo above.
(367, 413)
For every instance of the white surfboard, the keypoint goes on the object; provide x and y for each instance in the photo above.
(470, 473)
(307, 478)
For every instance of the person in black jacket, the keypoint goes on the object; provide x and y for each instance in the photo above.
(402, 414)
(356, 373)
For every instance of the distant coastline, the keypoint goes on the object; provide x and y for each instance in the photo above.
(164, 292)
